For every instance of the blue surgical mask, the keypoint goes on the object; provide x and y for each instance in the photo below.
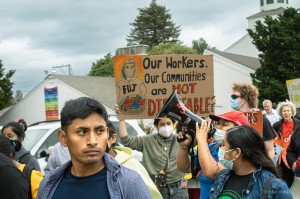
(226, 163)
(234, 104)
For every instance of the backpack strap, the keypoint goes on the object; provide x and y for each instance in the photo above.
(267, 186)
(25, 158)
(27, 173)
(214, 147)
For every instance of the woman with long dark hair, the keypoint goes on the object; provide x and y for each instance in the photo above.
(16, 131)
(244, 169)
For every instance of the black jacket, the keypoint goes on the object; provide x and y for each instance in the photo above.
(293, 151)
(12, 182)
(277, 126)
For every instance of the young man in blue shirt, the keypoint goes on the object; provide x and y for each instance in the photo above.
(91, 173)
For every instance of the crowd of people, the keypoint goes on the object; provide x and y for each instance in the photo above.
(87, 162)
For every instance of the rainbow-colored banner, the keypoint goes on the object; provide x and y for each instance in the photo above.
(51, 103)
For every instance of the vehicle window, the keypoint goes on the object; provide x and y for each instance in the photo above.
(32, 136)
(50, 141)
(131, 131)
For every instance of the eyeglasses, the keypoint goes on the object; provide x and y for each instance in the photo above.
(235, 96)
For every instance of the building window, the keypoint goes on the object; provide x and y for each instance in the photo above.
(270, 1)
(280, 1)
(261, 2)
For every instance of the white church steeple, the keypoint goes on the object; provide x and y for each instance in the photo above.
(273, 4)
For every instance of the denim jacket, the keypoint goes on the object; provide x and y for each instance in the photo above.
(121, 182)
(278, 188)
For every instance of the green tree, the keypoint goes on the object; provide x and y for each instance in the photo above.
(103, 67)
(200, 45)
(163, 49)
(6, 93)
(278, 40)
(153, 26)
(18, 96)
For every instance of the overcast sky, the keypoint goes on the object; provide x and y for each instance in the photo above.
(38, 35)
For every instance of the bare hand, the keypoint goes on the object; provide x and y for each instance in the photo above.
(186, 143)
(117, 109)
(202, 131)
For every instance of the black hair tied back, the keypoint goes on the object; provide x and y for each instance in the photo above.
(16, 144)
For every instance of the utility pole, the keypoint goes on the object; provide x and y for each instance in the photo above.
(62, 66)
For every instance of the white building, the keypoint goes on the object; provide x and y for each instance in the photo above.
(232, 65)
(238, 61)
(33, 109)
(244, 45)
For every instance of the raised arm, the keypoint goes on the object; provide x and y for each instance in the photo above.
(183, 160)
(209, 165)
(122, 124)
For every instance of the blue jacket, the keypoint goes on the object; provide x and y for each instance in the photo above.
(122, 182)
(206, 183)
(278, 188)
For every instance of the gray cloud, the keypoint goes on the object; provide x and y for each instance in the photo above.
(36, 35)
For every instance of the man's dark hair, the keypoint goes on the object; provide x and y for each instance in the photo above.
(81, 108)
(156, 121)
(111, 130)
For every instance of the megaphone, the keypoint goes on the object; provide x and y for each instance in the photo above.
(176, 110)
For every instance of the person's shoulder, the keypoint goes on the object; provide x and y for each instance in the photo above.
(297, 120)
(222, 173)
(276, 124)
(4, 160)
(132, 179)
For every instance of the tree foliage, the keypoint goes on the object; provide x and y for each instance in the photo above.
(163, 49)
(278, 40)
(6, 93)
(103, 67)
(18, 96)
(153, 26)
(200, 45)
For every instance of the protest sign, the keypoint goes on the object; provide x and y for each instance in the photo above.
(144, 83)
(293, 87)
(255, 119)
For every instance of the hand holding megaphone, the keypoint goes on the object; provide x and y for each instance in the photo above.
(177, 111)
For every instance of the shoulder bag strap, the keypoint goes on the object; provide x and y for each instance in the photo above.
(267, 186)
(170, 150)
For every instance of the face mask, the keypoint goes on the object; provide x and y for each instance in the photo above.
(165, 131)
(226, 163)
(234, 104)
(219, 135)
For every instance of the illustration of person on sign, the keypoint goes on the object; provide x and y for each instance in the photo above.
(131, 90)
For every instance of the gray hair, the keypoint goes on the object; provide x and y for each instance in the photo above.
(286, 103)
(267, 101)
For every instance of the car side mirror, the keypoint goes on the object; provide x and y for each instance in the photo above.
(43, 154)
(46, 153)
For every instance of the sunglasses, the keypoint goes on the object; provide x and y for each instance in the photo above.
(235, 96)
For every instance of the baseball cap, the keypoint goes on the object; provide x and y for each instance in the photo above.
(236, 117)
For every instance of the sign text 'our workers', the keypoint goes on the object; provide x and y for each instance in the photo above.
(144, 83)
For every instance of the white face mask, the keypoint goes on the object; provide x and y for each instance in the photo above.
(165, 131)
(219, 135)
